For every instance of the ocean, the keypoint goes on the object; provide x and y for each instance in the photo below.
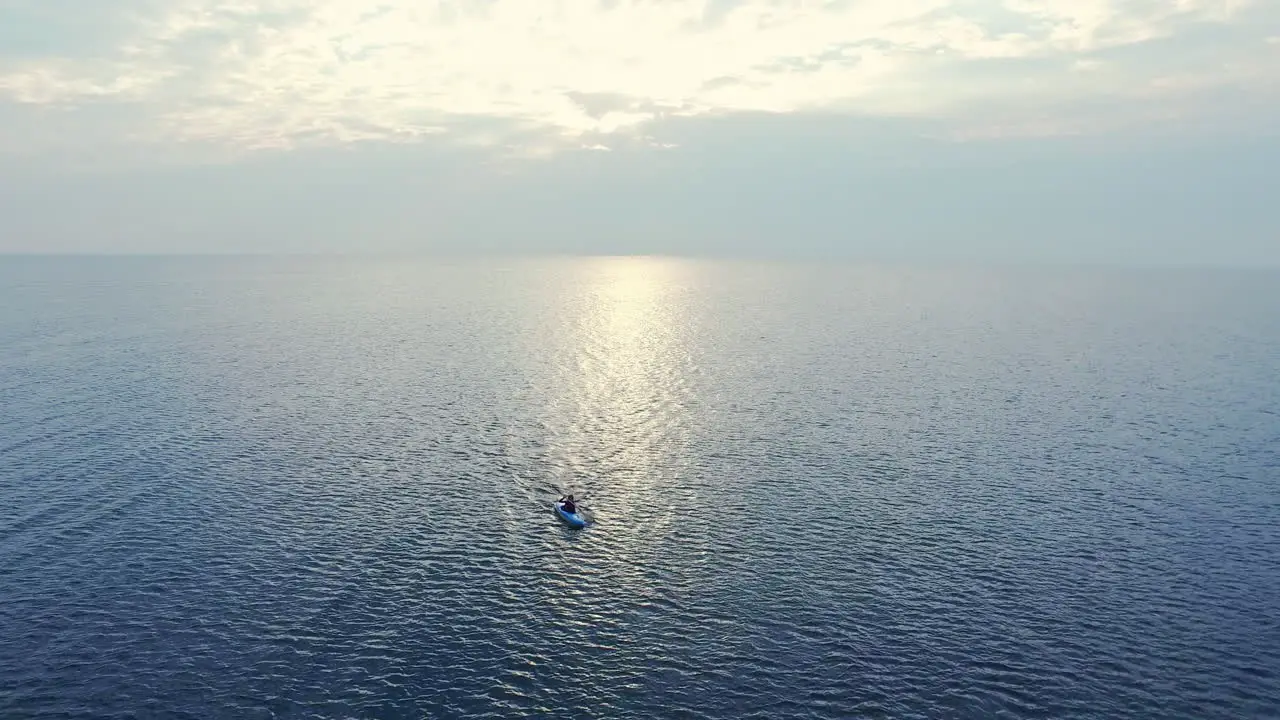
(321, 487)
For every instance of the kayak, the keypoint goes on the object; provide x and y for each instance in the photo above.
(573, 518)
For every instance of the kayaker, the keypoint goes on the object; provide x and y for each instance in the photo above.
(569, 506)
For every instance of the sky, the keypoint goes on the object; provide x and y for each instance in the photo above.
(1076, 131)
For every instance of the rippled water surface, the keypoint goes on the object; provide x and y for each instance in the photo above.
(322, 488)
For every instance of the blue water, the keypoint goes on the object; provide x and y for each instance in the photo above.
(287, 487)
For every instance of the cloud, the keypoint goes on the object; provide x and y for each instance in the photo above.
(260, 74)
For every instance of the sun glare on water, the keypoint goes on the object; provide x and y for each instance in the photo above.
(625, 371)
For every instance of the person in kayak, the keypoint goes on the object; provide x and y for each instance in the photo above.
(569, 505)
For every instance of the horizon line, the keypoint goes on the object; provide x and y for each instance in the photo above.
(793, 258)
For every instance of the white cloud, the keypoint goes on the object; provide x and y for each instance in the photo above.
(61, 81)
(278, 73)
(1084, 25)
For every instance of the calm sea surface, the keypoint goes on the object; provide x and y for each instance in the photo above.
(285, 487)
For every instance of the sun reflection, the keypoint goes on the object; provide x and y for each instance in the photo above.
(624, 379)
(622, 423)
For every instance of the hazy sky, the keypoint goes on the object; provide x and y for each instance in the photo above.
(1061, 130)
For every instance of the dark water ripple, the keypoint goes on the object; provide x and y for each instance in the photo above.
(311, 488)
